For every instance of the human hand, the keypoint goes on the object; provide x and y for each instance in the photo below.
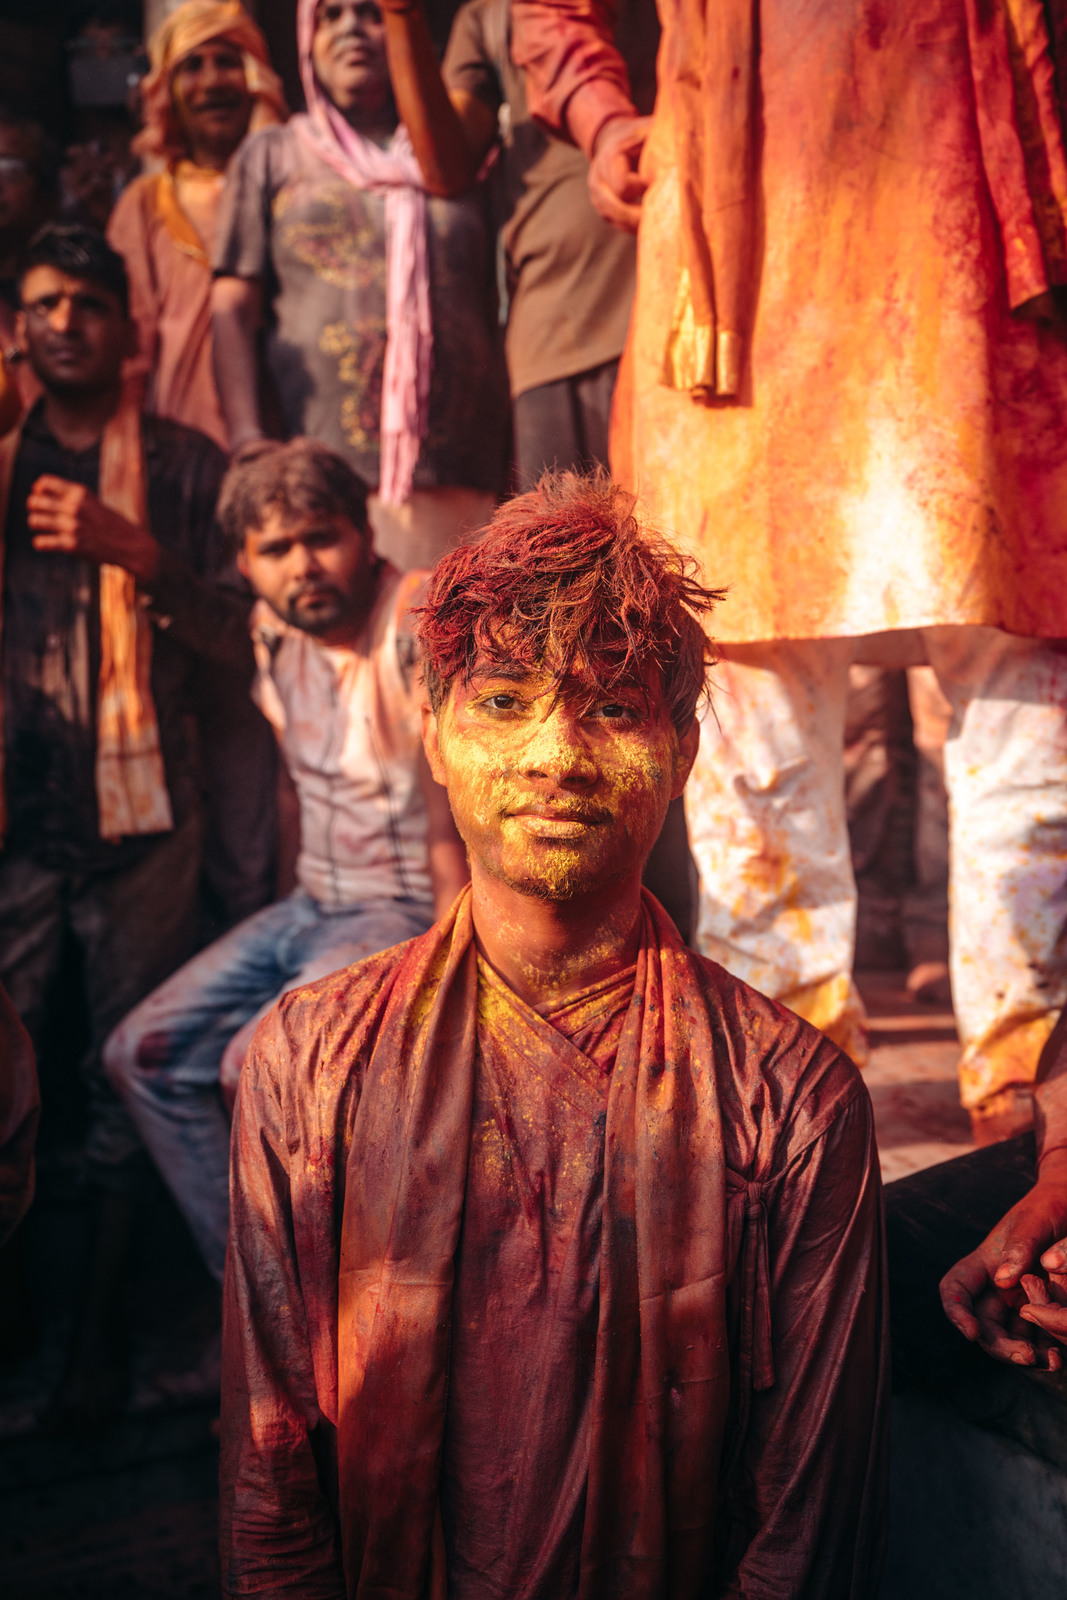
(983, 1295)
(1047, 1303)
(67, 517)
(616, 188)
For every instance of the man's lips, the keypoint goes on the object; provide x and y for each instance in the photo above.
(555, 822)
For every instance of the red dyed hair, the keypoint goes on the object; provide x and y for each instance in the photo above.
(566, 578)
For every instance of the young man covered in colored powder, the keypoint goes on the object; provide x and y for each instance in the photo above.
(555, 1267)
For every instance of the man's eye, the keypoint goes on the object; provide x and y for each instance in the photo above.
(614, 710)
(501, 702)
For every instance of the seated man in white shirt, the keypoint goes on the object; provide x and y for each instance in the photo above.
(379, 853)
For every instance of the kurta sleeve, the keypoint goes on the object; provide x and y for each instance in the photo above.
(576, 79)
(242, 229)
(805, 1499)
(278, 1528)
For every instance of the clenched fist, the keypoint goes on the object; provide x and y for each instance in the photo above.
(66, 516)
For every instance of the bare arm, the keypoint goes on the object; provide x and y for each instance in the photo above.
(450, 134)
(448, 856)
(236, 318)
(577, 83)
(984, 1295)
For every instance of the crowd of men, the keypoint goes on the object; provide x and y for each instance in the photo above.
(549, 1219)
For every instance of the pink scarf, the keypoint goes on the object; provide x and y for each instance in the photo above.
(395, 173)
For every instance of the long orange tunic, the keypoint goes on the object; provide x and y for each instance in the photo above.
(585, 1306)
(170, 298)
(897, 454)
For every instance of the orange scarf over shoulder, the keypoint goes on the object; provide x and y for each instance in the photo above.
(131, 785)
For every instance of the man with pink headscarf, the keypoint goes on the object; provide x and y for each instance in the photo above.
(210, 83)
(375, 291)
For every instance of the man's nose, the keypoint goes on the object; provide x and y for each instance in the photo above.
(558, 750)
(304, 561)
(61, 317)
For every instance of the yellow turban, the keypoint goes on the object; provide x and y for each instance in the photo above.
(178, 35)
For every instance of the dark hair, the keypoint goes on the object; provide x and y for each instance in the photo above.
(81, 253)
(566, 578)
(300, 477)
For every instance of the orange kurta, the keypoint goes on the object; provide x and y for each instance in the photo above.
(170, 297)
(897, 454)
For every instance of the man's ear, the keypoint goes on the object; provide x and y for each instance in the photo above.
(242, 563)
(688, 745)
(20, 329)
(431, 741)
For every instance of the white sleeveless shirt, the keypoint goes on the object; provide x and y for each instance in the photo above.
(347, 721)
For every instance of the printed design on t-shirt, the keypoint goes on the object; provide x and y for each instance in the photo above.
(332, 234)
(359, 348)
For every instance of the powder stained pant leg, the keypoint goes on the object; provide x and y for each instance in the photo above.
(165, 1057)
(767, 827)
(766, 813)
(1006, 774)
(133, 926)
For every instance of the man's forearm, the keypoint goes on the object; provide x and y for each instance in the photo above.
(576, 79)
(209, 621)
(236, 312)
(437, 135)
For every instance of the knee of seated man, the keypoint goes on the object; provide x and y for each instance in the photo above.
(129, 1052)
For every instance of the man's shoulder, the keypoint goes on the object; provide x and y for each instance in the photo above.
(324, 1031)
(175, 447)
(266, 150)
(781, 1081)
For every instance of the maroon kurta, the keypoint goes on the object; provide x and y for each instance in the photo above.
(515, 1383)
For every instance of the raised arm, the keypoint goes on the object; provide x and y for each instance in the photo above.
(450, 134)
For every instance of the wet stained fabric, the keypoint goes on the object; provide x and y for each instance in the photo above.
(895, 455)
(766, 815)
(659, 1218)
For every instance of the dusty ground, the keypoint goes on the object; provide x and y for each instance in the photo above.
(912, 1079)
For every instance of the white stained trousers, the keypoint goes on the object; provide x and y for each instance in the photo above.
(766, 818)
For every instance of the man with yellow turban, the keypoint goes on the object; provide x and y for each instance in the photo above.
(210, 83)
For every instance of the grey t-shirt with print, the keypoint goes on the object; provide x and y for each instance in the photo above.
(317, 244)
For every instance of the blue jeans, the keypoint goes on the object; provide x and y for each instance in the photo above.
(164, 1058)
